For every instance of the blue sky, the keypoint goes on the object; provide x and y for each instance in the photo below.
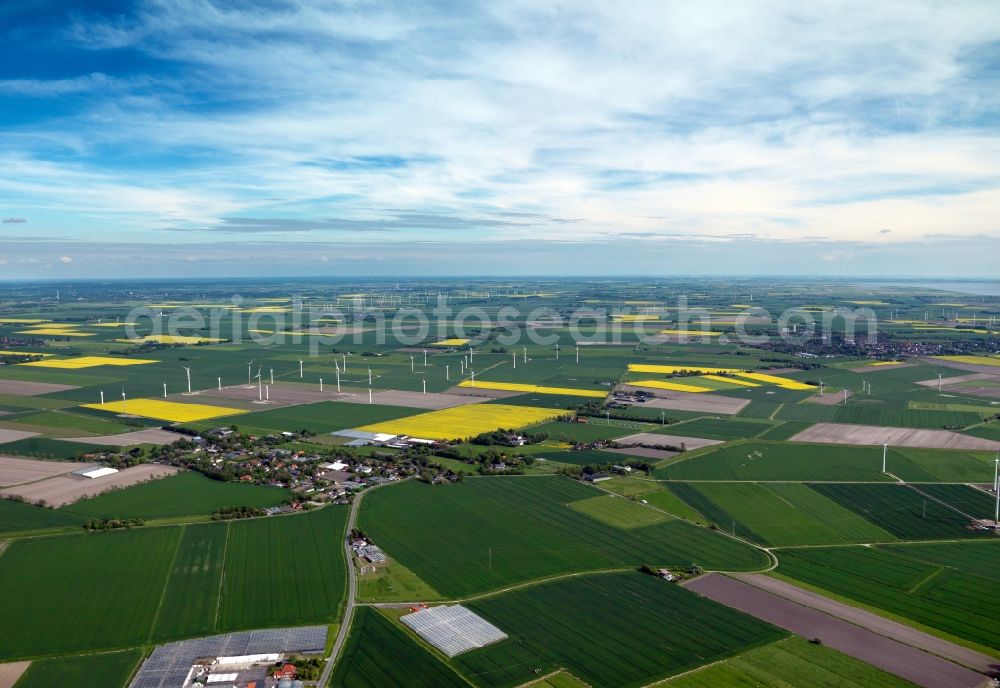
(519, 137)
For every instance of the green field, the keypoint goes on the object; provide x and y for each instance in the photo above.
(484, 533)
(611, 630)
(47, 448)
(187, 494)
(950, 587)
(968, 500)
(790, 663)
(105, 670)
(883, 412)
(781, 514)
(284, 570)
(117, 589)
(18, 516)
(618, 512)
(582, 457)
(320, 418)
(902, 511)
(779, 461)
(101, 590)
(378, 653)
(720, 428)
(584, 432)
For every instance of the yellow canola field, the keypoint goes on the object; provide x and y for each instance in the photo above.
(671, 369)
(57, 332)
(975, 360)
(114, 324)
(673, 386)
(693, 333)
(22, 321)
(636, 318)
(166, 410)
(88, 362)
(464, 421)
(537, 389)
(22, 353)
(730, 380)
(884, 363)
(782, 382)
(451, 342)
(171, 339)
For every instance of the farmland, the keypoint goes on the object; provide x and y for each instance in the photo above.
(119, 589)
(904, 512)
(186, 494)
(618, 638)
(106, 670)
(463, 421)
(790, 663)
(380, 654)
(948, 587)
(505, 530)
(777, 461)
(781, 513)
(166, 410)
(810, 503)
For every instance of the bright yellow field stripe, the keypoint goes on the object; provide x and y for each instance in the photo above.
(536, 389)
(89, 362)
(166, 410)
(171, 339)
(464, 421)
(783, 382)
(451, 342)
(115, 324)
(693, 333)
(975, 360)
(670, 369)
(730, 380)
(884, 363)
(57, 332)
(23, 353)
(23, 321)
(636, 318)
(673, 386)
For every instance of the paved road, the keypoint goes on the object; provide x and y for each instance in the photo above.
(873, 622)
(345, 623)
(890, 655)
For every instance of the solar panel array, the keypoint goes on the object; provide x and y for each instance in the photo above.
(453, 629)
(168, 665)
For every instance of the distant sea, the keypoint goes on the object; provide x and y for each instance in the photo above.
(984, 288)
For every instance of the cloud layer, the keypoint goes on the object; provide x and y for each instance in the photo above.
(703, 122)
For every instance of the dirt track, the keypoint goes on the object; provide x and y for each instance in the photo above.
(21, 388)
(690, 401)
(654, 438)
(11, 672)
(8, 435)
(66, 489)
(844, 433)
(15, 471)
(902, 660)
(150, 436)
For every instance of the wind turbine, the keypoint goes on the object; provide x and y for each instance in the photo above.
(557, 351)
(412, 369)
(249, 378)
(220, 384)
(123, 401)
(885, 453)
(473, 378)
(300, 368)
(939, 384)
(525, 350)
(102, 397)
(577, 353)
(996, 485)
(515, 360)
(164, 390)
(425, 358)
(447, 373)
(260, 385)
(821, 385)
(369, 377)
(187, 370)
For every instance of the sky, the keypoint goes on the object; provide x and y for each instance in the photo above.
(199, 137)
